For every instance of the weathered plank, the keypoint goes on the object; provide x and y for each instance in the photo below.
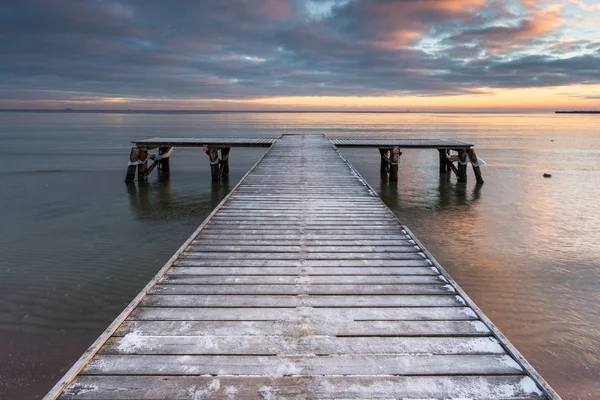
(246, 248)
(265, 261)
(402, 143)
(414, 364)
(308, 256)
(138, 343)
(303, 326)
(157, 300)
(195, 268)
(306, 288)
(319, 314)
(504, 387)
(306, 280)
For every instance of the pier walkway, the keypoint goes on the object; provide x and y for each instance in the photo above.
(302, 284)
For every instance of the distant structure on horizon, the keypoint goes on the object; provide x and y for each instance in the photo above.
(578, 112)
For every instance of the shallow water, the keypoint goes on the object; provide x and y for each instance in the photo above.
(77, 244)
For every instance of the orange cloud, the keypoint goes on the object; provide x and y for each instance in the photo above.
(502, 38)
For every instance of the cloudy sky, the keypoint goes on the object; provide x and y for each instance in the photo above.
(300, 54)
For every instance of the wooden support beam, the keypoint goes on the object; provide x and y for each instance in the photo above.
(132, 165)
(155, 163)
(142, 165)
(385, 160)
(213, 157)
(476, 168)
(394, 162)
(461, 176)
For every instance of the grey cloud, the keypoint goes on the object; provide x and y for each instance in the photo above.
(61, 49)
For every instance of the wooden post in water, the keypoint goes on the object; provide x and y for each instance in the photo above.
(385, 161)
(449, 165)
(213, 157)
(476, 168)
(164, 165)
(225, 160)
(142, 165)
(132, 165)
(461, 176)
(443, 161)
(394, 161)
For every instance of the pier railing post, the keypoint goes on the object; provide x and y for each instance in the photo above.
(394, 161)
(132, 165)
(142, 165)
(476, 168)
(461, 176)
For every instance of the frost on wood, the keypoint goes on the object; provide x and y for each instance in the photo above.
(77, 389)
(131, 342)
(200, 393)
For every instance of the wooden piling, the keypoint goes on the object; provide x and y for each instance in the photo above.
(385, 161)
(449, 165)
(443, 161)
(225, 160)
(142, 165)
(213, 157)
(164, 165)
(461, 176)
(476, 168)
(132, 166)
(394, 161)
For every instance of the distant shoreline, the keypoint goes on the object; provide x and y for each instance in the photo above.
(578, 112)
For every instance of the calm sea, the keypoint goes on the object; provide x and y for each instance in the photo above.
(77, 244)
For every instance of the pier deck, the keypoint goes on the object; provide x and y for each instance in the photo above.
(302, 284)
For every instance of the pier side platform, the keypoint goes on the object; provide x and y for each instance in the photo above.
(302, 284)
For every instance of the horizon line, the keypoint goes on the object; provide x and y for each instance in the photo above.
(216, 111)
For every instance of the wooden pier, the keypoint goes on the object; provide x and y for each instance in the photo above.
(218, 150)
(302, 284)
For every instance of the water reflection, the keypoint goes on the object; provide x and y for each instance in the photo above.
(157, 200)
(449, 194)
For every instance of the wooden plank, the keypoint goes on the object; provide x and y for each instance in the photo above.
(307, 238)
(505, 387)
(138, 343)
(156, 300)
(330, 263)
(309, 280)
(298, 328)
(415, 364)
(402, 143)
(251, 241)
(201, 141)
(247, 248)
(312, 289)
(189, 269)
(233, 255)
(284, 314)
